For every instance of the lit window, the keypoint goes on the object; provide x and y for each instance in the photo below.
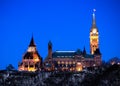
(62, 62)
(31, 65)
(78, 66)
(74, 62)
(58, 62)
(66, 65)
(31, 69)
(26, 65)
(70, 62)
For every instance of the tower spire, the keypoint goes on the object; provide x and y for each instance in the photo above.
(49, 49)
(32, 43)
(94, 35)
(94, 20)
(84, 51)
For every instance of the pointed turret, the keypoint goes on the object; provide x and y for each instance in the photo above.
(50, 49)
(32, 46)
(32, 61)
(32, 43)
(49, 43)
(84, 51)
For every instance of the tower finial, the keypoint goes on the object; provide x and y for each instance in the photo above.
(94, 10)
(94, 22)
(50, 43)
(32, 43)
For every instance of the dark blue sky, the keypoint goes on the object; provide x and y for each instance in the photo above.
(66, 23)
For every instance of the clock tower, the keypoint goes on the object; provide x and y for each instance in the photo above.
(94, 35)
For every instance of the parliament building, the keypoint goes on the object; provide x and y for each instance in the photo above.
(63, 60)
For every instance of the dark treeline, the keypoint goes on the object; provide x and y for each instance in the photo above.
(106, 75)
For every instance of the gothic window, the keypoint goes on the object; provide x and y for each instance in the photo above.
(31, 65)
(26, 65)
(58, 62)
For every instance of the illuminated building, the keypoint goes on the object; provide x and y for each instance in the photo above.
(64, 60)
(31, 60)
(75, 60)
(94, 36)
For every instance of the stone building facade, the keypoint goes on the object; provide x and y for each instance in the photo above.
(63, 60)
(75, 60)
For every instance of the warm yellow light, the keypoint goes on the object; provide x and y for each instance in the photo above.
(79, 69)
(78, 66)
(78, 63)
(58, 62)
(70, 62)
(31, 69)
(94, 30)
(21, 68)
(36, 60)
(62, 62)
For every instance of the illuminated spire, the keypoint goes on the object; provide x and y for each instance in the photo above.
(94, 20)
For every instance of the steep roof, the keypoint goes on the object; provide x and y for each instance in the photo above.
(32, 43)
(30, 55)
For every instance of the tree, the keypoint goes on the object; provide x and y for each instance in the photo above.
(114, 60)
(10, 67)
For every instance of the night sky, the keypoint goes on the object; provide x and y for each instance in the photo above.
(66, 23)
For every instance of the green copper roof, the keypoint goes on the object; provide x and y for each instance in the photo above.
(63, 54)
(89, 56)
(70, 54)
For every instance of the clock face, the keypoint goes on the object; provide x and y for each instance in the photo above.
(94, 30)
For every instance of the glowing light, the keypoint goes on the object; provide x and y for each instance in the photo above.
(31, 69)
(94, 65)
(79, 67)
(113, 63)
(36, 60)
(94, 30)
(31, 49)
(21, 68)
(78, 63)
(58, 62)
(94, 10)
(118, 63)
